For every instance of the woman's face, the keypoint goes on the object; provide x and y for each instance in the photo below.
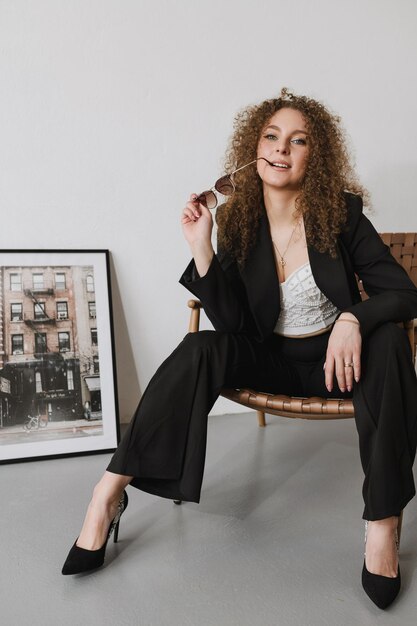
(284, 142)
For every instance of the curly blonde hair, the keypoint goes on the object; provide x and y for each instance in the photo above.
(329, 172)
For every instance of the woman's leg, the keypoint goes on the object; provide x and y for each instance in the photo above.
(385, 403)
(386, 418)
(163, 449)
(101, 510)
(165, 444)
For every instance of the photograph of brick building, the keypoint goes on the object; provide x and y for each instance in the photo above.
(49, 357)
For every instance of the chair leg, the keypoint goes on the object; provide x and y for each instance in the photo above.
(261, 418)
(400, 521)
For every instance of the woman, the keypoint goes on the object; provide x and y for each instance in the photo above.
(282, 296)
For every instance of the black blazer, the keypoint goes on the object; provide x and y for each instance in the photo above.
(246, 300)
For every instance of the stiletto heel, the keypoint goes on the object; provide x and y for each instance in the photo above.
(381, 589)
(82, 560)
(116, 532)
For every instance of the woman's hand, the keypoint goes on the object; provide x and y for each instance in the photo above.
(197, 226)
(344, 347)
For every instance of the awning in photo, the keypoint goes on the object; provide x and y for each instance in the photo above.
(93, 382)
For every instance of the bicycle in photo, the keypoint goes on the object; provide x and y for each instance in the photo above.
(35, 422)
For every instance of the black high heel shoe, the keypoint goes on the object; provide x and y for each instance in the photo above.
(381, 589)
(82, 560)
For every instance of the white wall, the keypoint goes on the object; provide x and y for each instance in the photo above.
(113, 111)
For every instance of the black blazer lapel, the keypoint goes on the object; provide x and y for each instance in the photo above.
(261, 281)
(330, 275)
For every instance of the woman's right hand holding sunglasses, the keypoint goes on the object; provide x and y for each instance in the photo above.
(197, 226)
(197, 222)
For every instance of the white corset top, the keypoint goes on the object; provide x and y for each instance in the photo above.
(304, 308)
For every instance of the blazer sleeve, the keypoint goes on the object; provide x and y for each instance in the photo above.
(222, 294)
(392, 294)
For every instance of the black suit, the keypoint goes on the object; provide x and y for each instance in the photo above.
(248, 300)
(164, 446)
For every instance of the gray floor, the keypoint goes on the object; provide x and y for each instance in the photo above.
(277, 538)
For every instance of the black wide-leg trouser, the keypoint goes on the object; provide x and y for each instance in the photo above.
(164, 446)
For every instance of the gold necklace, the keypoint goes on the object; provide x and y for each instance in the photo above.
(282, 261)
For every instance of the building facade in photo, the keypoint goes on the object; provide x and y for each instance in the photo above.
(48, 343)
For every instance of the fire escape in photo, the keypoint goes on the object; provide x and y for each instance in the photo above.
(53, 379)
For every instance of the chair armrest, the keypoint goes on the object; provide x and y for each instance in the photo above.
(195, 306)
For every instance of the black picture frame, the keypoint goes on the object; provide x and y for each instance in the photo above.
(58, 387)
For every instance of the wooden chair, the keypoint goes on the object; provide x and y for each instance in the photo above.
(404, 249)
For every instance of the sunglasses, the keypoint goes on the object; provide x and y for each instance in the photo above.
(224, 185)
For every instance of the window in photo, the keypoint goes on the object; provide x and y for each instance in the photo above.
(37, 281)
(60, 280)
(16, 282)
(90, 283)
(62, 310)
(40, 343)
(64, 342)
(94, 340)
(16, 313)
(17, 344)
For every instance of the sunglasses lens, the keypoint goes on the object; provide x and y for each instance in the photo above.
(224, 186)
(208, 199)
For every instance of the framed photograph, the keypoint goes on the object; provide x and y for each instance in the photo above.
(58, 391)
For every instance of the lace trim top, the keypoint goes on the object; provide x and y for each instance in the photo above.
(304, 308)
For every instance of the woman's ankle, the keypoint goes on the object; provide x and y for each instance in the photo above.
(109, 489)
(103, 496)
